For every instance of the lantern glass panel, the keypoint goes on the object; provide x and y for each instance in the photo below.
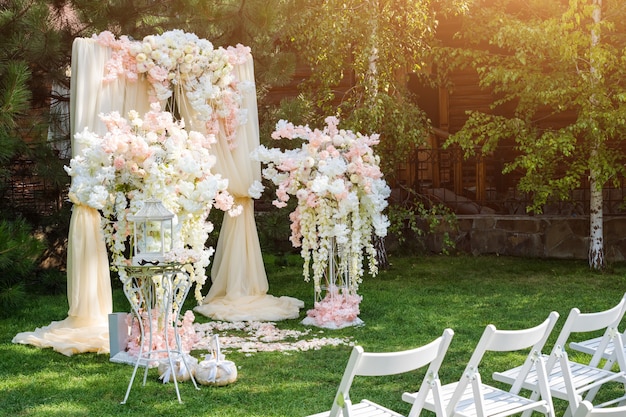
(153, 233)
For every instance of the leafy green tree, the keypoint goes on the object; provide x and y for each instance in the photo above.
(15, 74)
(29, 45)
(19, 253)
(370, 46)
(31, 60)
(546, 63)
(253, 23)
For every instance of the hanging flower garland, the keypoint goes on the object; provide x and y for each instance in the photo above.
(177, 58)
(151, 157)
(340, 191)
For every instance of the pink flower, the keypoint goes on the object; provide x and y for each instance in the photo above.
(224, 201)
(336, 309)
(184, 328)
(332, 122)
(158, 74)
(281, 193)
(311, 200)
(288, 165)
(284, 129)
(105, 38)
(316, 141)
(189, 62)
(238, 54)
(119, 162)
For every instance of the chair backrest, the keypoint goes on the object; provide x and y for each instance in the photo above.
(578, 322)
(585, 409)
(363, 363)
(506, 341)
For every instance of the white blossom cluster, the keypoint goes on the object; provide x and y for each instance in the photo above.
(146, 158)
(341, 195)
(181, 60)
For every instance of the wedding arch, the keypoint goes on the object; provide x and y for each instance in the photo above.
(101, 83)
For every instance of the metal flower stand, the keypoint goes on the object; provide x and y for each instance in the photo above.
(336, 302)
(336, 276)
(160, 289)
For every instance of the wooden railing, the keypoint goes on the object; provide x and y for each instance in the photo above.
(433, 169)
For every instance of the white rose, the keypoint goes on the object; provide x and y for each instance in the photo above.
(309, 162)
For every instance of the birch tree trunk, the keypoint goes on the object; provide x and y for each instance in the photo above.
(596, 230)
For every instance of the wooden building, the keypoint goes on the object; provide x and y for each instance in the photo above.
(477, 184)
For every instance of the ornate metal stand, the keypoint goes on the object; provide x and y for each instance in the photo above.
(336, 277)
(166, 298)
(336, 301)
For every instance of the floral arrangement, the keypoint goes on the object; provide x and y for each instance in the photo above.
(341, 194)
(151, 157)
(181, 59)
(184, 328)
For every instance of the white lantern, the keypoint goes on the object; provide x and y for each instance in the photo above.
(153, 233)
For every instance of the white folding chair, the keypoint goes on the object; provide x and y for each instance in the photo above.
(586, 409)
(470, 397)
(389, 363)
(602, 344)
(571, 380)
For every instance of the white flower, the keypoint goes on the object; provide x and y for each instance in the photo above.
(319, 184)
(340, 232)
(334, 167)
(381, 223)
(338, 140)
(309, 162)
(98, 197)
(256, 189)
(337, 187)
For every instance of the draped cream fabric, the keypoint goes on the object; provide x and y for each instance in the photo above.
(239, 282)
(88, 280)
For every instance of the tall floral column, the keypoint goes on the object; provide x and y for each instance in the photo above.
(142, 158)
(341, 194)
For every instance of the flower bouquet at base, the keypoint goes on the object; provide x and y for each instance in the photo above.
(183, 330)
(341, 195)
(336, 310)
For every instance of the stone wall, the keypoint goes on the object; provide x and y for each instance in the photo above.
(535, 236)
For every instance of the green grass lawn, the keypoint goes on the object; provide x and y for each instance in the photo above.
(405, 306)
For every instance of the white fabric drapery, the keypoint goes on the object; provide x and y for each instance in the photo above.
(239, 282)
(88, 278)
